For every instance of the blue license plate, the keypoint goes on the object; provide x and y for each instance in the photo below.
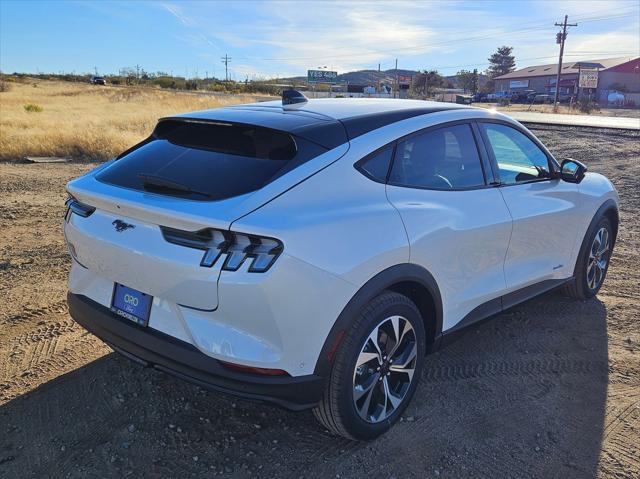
(131, 304)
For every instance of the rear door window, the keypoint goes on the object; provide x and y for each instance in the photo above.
(443, 159)
(209, 161)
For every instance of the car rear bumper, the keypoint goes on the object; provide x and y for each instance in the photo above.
(163, 352)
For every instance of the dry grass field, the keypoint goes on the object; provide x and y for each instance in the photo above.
(88, 122)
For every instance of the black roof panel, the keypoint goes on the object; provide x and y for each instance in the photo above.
(327, 122)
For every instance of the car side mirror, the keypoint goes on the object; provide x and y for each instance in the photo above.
(572, 171)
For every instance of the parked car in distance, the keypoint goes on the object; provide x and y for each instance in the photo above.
(541, 98)
(501, 95)
(95, 80)
(479, 97)
(521, 96)
(564, 98)
(311, 253)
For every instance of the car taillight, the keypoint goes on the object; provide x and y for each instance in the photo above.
(77, 207)
(237, 247)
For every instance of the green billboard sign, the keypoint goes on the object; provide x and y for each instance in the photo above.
(321, 76)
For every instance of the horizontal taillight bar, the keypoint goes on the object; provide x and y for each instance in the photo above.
(237, 247)
(79, 208)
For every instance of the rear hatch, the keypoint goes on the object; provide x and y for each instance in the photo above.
(191, 175)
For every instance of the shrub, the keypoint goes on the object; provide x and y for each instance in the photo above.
(165, 82)
(216, 87)
(4, 85)
(33, 108)
(586, 105)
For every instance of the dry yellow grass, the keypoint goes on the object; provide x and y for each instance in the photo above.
(88, 122)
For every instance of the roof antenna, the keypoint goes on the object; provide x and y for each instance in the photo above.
(291, 97)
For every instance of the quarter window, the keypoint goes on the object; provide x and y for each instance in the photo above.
(519, 158)
(376, 165)
(442, 159)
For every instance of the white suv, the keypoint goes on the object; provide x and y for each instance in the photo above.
(311, 253)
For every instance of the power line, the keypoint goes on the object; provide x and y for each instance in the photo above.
(534, 27)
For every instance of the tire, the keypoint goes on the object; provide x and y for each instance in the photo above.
(590, 273)
(349, 407)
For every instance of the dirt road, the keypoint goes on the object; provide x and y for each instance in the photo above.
(548, 389)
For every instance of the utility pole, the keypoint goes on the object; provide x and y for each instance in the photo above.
(560, 38)
(474, 84)
(396, 88)
(226, 60)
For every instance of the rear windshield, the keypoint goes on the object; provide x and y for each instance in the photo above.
(208, 161)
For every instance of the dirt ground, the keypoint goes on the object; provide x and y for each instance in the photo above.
(548, 389)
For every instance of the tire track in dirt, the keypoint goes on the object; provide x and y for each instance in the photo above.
(622, 430)
(493, 368)
(621, 441)
(36, 355)
(57, 307)
(29, 348)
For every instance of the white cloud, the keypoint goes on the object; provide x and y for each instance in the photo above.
(278, 38)
(620, 41)
(177, 12)
(341, 36)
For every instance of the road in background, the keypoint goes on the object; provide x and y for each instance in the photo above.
(593, 121)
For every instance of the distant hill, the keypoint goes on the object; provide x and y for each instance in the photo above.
(374, 77)
(363, 77)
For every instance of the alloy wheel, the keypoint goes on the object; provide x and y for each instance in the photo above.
(384, 369)
(598, 259)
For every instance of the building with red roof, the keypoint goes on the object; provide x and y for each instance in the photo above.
(614, 74)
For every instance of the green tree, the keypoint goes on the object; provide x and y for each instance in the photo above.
(424, 82)
(501, 62)
(468, 80)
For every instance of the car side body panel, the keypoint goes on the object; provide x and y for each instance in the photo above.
(461, 238)
(545, 226)
(337, 225)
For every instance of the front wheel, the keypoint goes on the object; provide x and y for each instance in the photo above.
(376, 369)
(593, 261)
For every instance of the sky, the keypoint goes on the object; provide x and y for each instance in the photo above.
(269, 39)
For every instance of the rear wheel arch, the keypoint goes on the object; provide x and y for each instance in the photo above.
(410, 280)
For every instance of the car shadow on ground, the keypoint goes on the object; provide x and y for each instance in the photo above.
(520, 395)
